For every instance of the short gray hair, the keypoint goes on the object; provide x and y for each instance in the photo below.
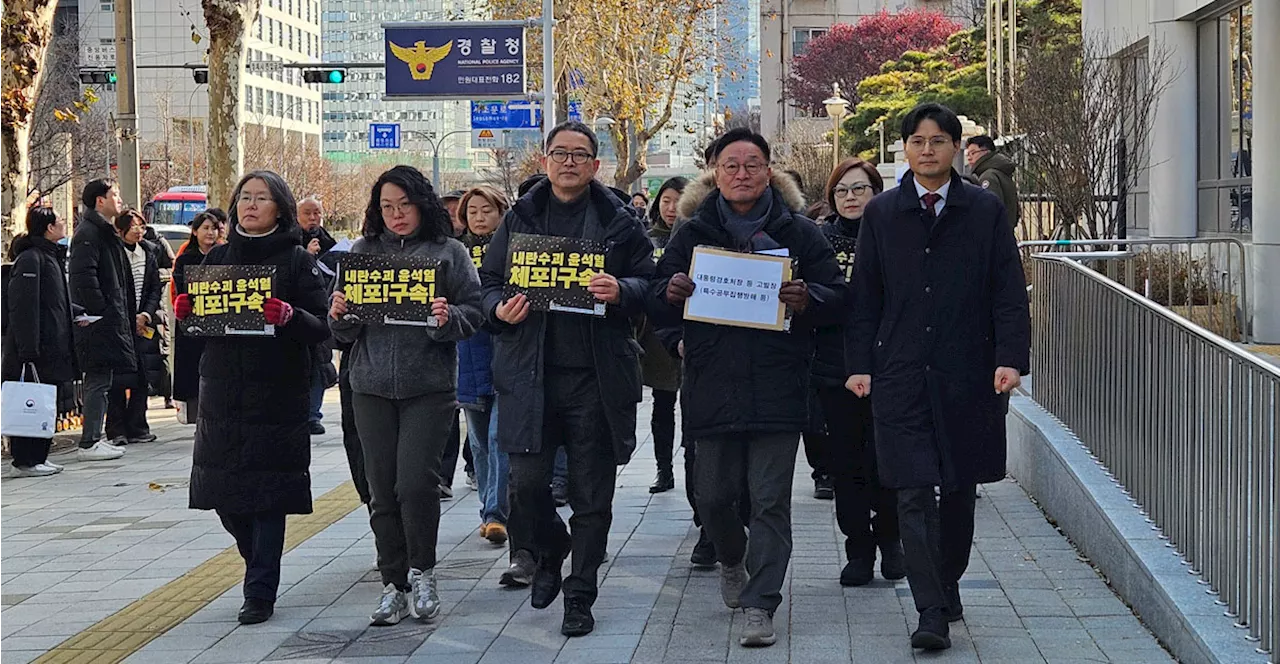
(312, 199)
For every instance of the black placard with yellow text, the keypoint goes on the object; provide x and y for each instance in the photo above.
(554, 272)
(226, 300)
(843, 247)
(390, 290)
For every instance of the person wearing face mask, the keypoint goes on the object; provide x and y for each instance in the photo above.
(38, 339)
(252, 454)
(404, 382)
(745, 391)
(849, 454)
(207, 231)
(127, 400)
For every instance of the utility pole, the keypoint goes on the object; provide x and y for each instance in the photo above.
(548, 66)
(129, 175)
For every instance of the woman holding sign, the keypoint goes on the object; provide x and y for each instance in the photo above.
(253, 444)
(404, 377)
(850, 454)
(207, 230)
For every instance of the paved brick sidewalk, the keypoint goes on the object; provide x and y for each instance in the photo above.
(83, 545)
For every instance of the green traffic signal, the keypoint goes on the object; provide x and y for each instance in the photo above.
(111, 77)
(335, 76)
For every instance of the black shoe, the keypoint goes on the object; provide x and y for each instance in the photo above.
(255, 611)
(955, 610)
(704, 552)
(446, 492)
(665, 481)
(892, 565)
(520, 574)
(933, 633)
(546, 579)
(560, 492)
(823, 489)
(857, 572)
(146, 438)
(577, 617)
(317, 429)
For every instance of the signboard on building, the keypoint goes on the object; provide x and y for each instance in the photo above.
(515, 114)
(98, 55)
(455, 60)
(384, 136)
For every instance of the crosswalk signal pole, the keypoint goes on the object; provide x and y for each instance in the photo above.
(129, 175)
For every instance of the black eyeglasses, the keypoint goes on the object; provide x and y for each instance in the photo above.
(579, 157)
(857, 190)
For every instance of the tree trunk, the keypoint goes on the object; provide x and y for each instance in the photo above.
(27, 32)
(228, 21)
(631, 159)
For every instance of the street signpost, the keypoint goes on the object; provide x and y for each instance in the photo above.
(384, 136)
(455, 60)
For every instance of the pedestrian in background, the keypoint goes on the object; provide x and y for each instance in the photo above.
(318, 242)
(939, 336)
(640, 202)
(208, 229)
(404, 381)
(127, 401)
(660, 370)
(994, 172)
(252, 453)
(866, 512)
(449, 457)
(39, 339)
(482, 210)
(99, 279)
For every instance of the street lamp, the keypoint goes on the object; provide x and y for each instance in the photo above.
(837, 106)
(435, 154)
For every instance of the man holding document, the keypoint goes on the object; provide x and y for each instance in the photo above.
(762, 277)
(562, 276)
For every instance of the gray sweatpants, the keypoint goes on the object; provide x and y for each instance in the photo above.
(402, 440)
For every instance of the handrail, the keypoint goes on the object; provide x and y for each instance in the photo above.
(1185, 421)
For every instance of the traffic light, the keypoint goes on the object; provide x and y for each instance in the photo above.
(324, 75)
(201, 76)
(98, 76)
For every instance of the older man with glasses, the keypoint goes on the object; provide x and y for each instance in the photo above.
(745, 391)
(568, 379)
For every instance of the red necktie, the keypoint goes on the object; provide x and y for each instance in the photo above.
(930, 204)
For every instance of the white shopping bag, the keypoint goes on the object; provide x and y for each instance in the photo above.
(184, 417)
(28, 409)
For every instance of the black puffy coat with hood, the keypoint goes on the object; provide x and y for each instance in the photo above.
(38, 307)
(101, 284)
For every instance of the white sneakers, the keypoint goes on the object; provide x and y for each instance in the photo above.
(101, 451)
(38, 470)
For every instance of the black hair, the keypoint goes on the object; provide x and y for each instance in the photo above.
(795, 175)
(124, 221)
(217, 212)
(641, 194)
(709, 153)
(433, 217)
(945, 117)
(678, 184)
(39, 219)
(286, 205)
(742, 134)
(983, 141)
(94, 190)
(577, 128)
(215, 215)
(529, 183)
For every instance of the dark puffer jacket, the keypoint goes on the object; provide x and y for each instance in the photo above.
(738, 379)
(149, 360)
(253, 445)
(100, 284)
(39, 311)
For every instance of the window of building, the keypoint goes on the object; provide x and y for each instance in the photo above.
(800, 38)
(107, 6)
(1225, 122)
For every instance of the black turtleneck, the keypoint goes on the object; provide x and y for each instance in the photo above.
(849, 227)
(567, 218)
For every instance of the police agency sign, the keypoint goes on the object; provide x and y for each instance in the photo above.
(456, 60)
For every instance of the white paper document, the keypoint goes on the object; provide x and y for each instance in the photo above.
(737, 289)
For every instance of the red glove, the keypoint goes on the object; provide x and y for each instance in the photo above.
(278, 312)
(182, 306)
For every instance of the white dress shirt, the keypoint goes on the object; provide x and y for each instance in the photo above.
(921, 190)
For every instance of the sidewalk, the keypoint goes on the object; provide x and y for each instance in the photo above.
(88, 544)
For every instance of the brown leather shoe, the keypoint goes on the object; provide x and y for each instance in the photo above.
(495, 532)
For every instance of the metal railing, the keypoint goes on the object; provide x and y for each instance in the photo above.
(1183, 420)
(1205, 280)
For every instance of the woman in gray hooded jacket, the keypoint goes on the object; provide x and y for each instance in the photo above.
(404, 381)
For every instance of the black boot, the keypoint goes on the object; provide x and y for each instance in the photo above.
(955, 610)
(892, 565)
(577, 617)
(547, 579)
(665, 481)
(560, 492)
(823, 488)
(255, 611)
(933, 633)
(858, 572)
(704, 552)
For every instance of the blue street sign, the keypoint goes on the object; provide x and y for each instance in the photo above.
(384, 136)
(455, 60)
(516, 114)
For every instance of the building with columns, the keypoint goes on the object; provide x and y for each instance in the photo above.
(1207, 152)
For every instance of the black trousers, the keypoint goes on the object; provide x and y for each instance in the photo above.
(29, 452)
(663, 425)
(937, 534)
(127, 410)
(351, 435)
(574, 417)
(867, 513)
(764, 463)
(402, 440)
(449, 456)
(260, 539)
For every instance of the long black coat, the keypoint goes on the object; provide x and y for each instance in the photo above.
(253, 445)
(39, 310)
(186, 349)
(150, 358)
(518, 349)
(828, 356)
(937, 310)
(738, 379)
(100, 283)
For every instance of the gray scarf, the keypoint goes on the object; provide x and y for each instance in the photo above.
(747, 230)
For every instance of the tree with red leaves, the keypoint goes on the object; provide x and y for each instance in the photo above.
(849, 53)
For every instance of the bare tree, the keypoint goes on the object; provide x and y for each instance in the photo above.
(228, 22)
(1085, 115)
(24, 40)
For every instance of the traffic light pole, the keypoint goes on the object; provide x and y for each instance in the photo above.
(129, 175)
(548, 66)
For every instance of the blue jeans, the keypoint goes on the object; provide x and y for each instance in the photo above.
(560, 471)
(491, 463)
(317, 396)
